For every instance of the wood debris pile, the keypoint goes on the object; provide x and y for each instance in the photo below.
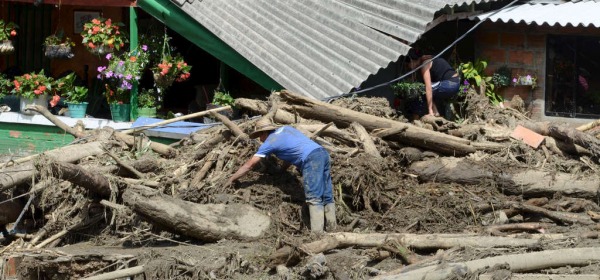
(432, 198)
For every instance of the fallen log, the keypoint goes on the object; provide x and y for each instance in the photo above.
(15, 175)
(90, 180)
(332, 132)
(534, 261)
(162, 149)
(207, 222)
(409, 134)
(567, 134)
(530, 183)
(366, 140)
(121, 273)
(425, 242)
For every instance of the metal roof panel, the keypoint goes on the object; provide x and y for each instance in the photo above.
(580, 13)
(318, 48)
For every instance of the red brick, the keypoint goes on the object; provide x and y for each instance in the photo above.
(512, 40)
(493, 54)
(520, 57)
(529, 137)
(487, 38)
(536, 41)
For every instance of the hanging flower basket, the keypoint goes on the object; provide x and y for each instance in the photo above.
(101, 50)
(6, 47)
(61, 51)
(163, 81)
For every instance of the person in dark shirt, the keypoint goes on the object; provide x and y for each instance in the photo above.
(293, 147)
(441, 82)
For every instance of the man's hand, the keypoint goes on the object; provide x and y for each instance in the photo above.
(228, 183)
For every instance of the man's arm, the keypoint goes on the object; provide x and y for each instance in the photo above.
(244, 169)
(428, 89)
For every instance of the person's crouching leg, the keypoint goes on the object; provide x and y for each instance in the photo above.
(330, 219)
(317, 218)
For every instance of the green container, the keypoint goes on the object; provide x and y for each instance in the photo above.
(77, 110)
(147, 112)
(120, 112)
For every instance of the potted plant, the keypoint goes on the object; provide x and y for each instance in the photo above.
(32, 89)
(170, 69)
(74, 96)
(101, 36)
(57, 47)
(7, 32)
(501, 77)
(525, 80)
(148, 103)
(220, 98)
(119, 76)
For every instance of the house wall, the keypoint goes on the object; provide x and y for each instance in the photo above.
(522, 48)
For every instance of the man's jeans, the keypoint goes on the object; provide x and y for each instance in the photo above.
(442, 92)
(317, 178)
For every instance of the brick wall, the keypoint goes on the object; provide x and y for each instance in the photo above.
(522, 48)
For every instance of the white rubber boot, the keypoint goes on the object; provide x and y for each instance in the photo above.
(317, 218)
(330, 219)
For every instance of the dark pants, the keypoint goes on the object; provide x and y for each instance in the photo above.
(443, 92)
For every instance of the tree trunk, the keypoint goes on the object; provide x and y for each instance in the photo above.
(413, 241)
(90, 180)
(15, 175)
(534, 261)
(208, 222)
(530, 183)
(408, 134)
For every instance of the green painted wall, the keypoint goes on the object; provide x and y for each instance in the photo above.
(31, 139)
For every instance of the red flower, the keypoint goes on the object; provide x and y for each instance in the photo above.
(42, 88)
(95, 21)
(17, 85)
(54, 100)
(13, 33)
(91, 45)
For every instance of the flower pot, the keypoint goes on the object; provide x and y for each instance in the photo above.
(58, 51)
(120, 112)
(163, 81)
(6, 47)
(100, 50)
(77, 110)
(41, 100)
(147, 112)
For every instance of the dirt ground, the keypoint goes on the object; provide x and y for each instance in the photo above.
(373, 195)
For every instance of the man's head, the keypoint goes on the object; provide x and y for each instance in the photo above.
(262, 129)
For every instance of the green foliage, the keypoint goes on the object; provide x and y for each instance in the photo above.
(7, 30)
(501, 77)
(77, 95)
(57, 39)
(100, 31)
(32, 85)
(409, 90)
(473, 73)
(148, 98)
(222, 98)
(5, 86)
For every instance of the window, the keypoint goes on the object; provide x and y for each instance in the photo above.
(573, 76)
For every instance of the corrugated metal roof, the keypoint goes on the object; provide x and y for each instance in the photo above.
(318, 48)
(575, 13)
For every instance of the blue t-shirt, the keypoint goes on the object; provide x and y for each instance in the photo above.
(289, 144)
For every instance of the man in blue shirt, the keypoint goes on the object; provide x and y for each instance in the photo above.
(293, 147)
